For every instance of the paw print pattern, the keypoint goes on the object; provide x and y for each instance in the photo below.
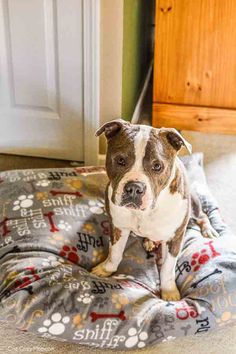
(58, 239)
(55, 325)
(119, 300)
(52, 261)
(198, 259)
(23, 201)
(227, 317)
(136, 338)
(43, 183)
(88, 228)
(74, 183)
(98, 256)
(86, 298)
(69, 253)
(79, 320)
(64, 225)
(41, 195)
(96, 207)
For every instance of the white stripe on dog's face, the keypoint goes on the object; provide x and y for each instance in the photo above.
(136, 173)
(140, 144)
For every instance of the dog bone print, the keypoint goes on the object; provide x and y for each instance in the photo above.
(96, 316)
(51, 222)
(3, 224)
(214, 253)
(216, 271)
(77, 194)
(186, 329)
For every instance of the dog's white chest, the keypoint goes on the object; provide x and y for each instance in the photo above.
(156, 224)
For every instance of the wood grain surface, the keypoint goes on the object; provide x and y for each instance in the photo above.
(195, 53)
(204, 119)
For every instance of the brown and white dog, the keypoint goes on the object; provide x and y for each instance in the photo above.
(148, 194)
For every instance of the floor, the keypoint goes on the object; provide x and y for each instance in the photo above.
(10, 162)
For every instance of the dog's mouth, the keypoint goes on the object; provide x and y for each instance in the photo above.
(131, 205)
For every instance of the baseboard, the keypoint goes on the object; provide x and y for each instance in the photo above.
(139, 105)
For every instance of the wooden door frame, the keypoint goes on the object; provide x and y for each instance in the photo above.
(91, 78)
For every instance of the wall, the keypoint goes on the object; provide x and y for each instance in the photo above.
(125, 52)
(111, 48)
(137, 50)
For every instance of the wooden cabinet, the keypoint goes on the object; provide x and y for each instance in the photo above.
(195, 65)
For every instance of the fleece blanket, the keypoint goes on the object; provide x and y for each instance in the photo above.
(54, 229)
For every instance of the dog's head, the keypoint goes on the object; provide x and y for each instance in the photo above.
(139, 161)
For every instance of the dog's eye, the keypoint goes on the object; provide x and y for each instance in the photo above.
(157, 166)
(121, 161)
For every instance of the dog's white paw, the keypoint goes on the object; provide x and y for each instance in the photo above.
(148, 245)
(207, 229)
(170, 294)
(101, 271)
(209, 232)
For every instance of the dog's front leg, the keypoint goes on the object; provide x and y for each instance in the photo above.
(171, 250)
(116, 249)
(169, 290)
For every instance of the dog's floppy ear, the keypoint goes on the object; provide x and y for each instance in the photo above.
(111, 128)
(175, 139)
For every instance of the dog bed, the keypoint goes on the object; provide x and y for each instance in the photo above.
(54, 229)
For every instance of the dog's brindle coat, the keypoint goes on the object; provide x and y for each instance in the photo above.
(147, 194)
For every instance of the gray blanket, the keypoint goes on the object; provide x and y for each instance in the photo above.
(53, 230)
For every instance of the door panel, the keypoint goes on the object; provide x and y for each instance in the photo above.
(41, 86)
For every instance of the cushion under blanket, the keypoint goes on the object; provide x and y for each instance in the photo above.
(53, 230)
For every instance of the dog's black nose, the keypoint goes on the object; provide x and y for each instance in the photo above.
(134, 189)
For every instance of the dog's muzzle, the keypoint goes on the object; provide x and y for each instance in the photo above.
(133, 194)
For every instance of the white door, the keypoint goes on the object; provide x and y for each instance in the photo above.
(41, 78)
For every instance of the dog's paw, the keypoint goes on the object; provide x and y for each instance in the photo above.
(148, 245)
(101, 271)
(207, 229)
(170, 294)
(209, 232)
